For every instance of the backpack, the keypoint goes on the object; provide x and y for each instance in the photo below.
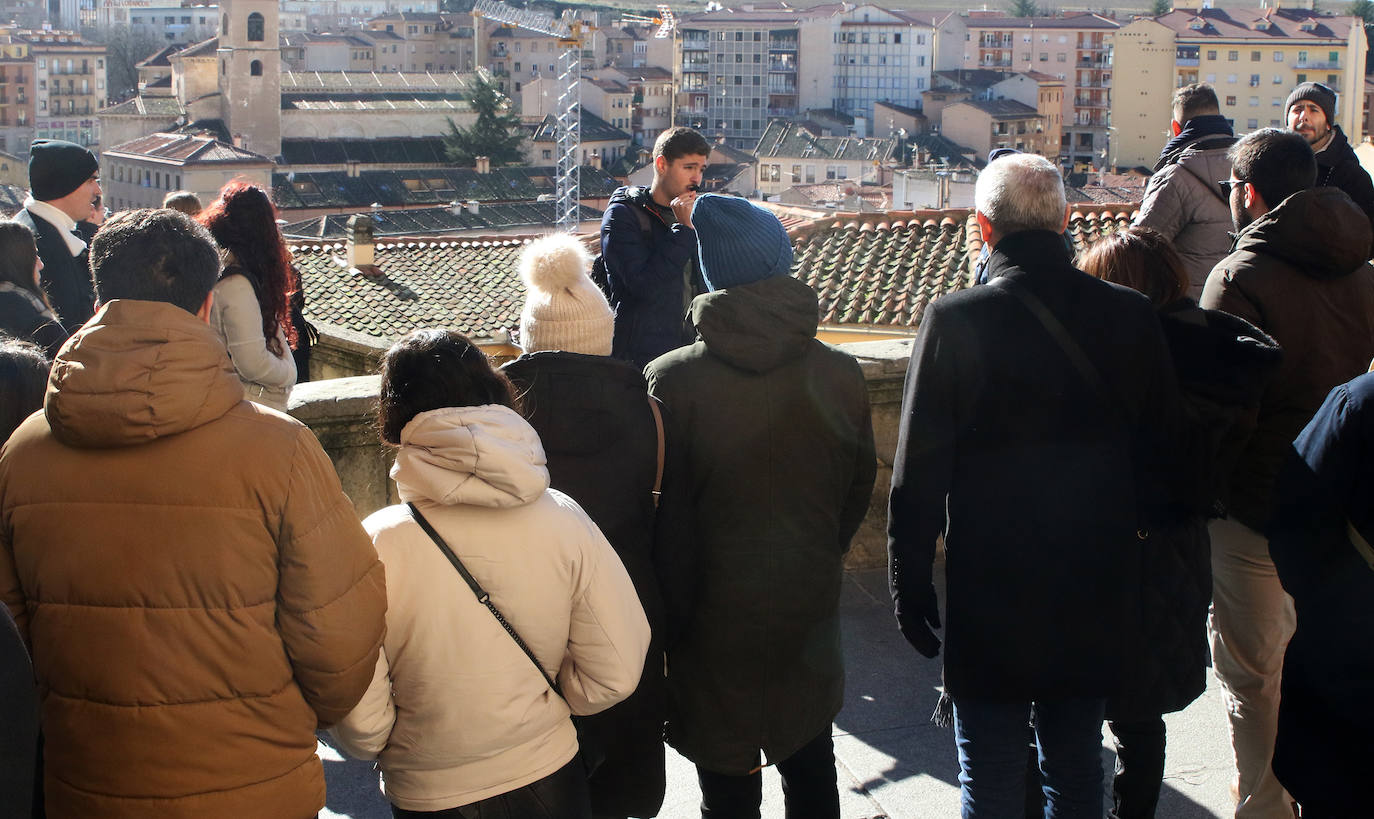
(599, 275)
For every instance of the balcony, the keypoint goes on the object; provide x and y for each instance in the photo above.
(1187, 62)
(1318, 65)
(782, 88)
(782, 112)
(786, 66)
(696, 43)
(782, 45)
(1090, 102)
(995, 64)
(1091, 46)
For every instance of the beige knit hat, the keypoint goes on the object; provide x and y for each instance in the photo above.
(564, 310)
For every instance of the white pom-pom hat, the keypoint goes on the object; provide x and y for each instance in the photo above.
(564, 310)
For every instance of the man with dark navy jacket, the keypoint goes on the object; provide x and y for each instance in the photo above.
(1029, 406)
(64, 188)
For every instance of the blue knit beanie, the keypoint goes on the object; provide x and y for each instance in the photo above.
(738, 242)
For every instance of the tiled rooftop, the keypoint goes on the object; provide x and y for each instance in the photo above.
(187, 149)
(872, 270)
(1001, 109)
(439, 220)
(205, 48)
(786, 140)
(594, 129)
(1255, 24)
(471, 286)
(1081, 20)
(336, 189)
(146, 107)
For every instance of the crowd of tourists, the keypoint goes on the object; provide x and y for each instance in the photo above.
(1135, 463)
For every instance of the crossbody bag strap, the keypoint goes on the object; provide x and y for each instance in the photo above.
(1361, 544)
(658, 427)
(481, 594)
(1061, 336)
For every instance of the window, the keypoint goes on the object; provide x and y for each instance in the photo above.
(1061, 57)
(1254, 80)
(224, 25)
(1211, 55)
(1302, 57)
(517, 66)
(897, 38)
(1251, 124)
(810, 174)
(1278, 79)
(1333, 57)
(1255, 56)
(255, 68)
(1044, 56)
(1278, 56)
(1277, 102)
(1230, 100)
(1302, 78)
(255, 27)
(1230, 78)
(1254, 102)
(1232, 56)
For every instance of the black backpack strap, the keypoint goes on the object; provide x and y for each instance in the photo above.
(481, 594)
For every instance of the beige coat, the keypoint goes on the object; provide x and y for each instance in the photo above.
(195, 587)
(456, 712)
(235, 316)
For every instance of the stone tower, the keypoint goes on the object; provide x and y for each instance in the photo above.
(250, 74)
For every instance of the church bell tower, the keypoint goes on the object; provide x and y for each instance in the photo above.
(250, 74)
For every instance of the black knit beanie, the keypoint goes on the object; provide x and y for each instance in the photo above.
(58, 167)
(1323, 96)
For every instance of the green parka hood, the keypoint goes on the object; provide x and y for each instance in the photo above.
(760, 326)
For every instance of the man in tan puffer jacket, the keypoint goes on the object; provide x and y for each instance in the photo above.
(196, 590)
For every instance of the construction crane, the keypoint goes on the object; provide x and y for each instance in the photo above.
(568, 120)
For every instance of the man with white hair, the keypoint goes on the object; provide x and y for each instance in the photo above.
(1027, 406)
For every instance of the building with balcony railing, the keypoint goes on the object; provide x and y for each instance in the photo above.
(1074, 48)
(1252, 57)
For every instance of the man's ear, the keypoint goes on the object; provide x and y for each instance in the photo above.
(1251, 199)
(204, 312)
(985, 227)
(661, 164)
(1175, 126)
(1068, 211)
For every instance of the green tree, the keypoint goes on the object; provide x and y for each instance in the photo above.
(1166, 6)
(1024, 8)
(496, 134)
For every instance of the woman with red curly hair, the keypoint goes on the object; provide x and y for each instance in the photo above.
(250, 309)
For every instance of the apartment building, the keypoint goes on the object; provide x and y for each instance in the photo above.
(167, 21)
(1076, 49)
(341, 15)
(880, 55)
(69, 85)
(17, 88)
(789, 154)
(986, 124)
(421, 41)
(1253, 57)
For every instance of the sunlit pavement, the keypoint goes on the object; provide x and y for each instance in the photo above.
(890, 760)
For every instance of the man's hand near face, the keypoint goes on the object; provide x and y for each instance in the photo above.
(682, 207)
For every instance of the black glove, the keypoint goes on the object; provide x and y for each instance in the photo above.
(917, 616)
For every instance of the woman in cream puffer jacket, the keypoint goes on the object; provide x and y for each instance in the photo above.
(457, 714)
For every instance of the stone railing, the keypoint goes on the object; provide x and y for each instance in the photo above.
(342, 414)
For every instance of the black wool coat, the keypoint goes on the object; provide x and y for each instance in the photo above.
(1030, 475)
(65, 278)
(1323, 753)
(593, 417)
(770, 470)
(1339, 167)
(1223, 364)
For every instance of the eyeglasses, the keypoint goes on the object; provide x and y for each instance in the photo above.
(1228, 184)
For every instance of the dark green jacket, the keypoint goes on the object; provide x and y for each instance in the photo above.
(770, 468)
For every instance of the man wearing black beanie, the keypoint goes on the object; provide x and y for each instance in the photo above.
(1311, 111)
(64, 187)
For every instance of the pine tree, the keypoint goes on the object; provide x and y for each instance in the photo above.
(1024, 8)
(1166, 6)
(496, 134)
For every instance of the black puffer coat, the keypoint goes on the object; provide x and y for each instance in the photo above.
(22, 315)
(1339, 167)
(1223, 364)
(771, 466)
(592, 415)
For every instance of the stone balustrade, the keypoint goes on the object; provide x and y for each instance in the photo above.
(342, 414)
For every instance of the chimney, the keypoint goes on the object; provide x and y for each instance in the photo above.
(473, 207)
(595, 161)
(360, 250)
(484, 164)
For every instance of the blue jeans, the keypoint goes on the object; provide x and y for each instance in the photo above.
(991, 738)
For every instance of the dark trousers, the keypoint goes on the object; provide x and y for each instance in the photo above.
(808, 786)
(560, 795)
(1139, 767)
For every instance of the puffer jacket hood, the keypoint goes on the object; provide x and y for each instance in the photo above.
(760, 326)
(136, 372)
(1320, 232)
(481, 456)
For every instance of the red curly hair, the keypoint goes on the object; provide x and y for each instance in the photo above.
(243, 221)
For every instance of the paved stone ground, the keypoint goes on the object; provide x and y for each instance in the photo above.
(890, 760)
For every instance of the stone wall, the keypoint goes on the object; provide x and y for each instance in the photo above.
(341, 412)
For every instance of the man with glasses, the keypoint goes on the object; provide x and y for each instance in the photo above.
(1298, 272)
